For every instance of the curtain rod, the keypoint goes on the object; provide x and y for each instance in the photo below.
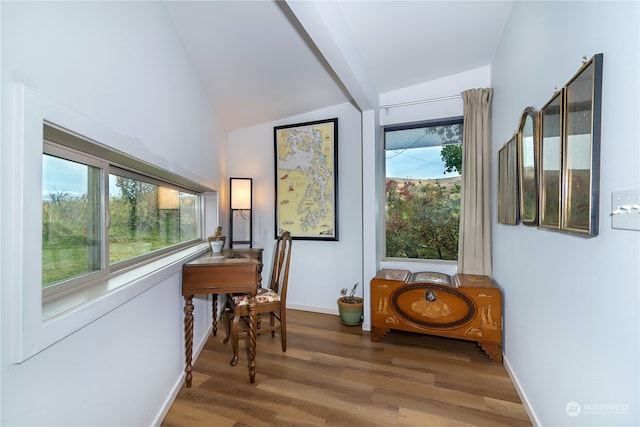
(423, 101)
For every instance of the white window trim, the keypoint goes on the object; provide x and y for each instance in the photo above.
(34, 327)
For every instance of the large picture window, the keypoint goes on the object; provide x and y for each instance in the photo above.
(99, 217)
(423, 180)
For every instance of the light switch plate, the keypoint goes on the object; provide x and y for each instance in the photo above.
(625, 219)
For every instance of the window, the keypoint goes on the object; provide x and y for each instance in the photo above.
(71, 219)
(99, 217)
(422, 192)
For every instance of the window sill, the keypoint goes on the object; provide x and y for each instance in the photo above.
(70, 313)
(129, 284)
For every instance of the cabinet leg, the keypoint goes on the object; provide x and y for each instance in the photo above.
(494, 351)
(378, 332)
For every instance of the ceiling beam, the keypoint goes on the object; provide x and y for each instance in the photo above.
(324, 27)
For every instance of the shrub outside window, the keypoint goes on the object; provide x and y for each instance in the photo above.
(422, 192)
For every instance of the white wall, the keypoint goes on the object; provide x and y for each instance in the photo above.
(432, 100)
(319, 269)
(571, 303)
(119, 65)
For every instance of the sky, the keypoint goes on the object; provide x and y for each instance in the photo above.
(414, 152)
(416, 163)
(63, 176)
(59, 175)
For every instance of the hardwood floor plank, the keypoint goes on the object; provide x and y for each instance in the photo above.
(511, 409)
(436, 409)
(184, 414)
(337, 401)
(408, 417)
(334, 375)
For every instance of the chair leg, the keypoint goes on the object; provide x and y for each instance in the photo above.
(234, 338)
(272, 323)
(283, 329)
(227, 323)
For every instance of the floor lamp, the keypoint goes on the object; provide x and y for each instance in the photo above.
(241, 230)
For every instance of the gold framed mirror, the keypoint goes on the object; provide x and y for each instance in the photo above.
(528, 166)
(508, 182)
(551, 161)
(581, 149)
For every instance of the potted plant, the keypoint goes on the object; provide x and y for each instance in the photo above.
(350, 306)
(217, 240)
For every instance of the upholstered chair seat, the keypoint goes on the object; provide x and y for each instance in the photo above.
(262, 296)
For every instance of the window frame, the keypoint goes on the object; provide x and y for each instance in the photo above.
(68, 285)
(69, 146)
(398, 127)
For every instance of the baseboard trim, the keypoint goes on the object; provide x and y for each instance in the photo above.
(314, 309)
(366, 326)
(523, 396)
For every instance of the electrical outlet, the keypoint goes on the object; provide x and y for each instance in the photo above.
(625, 210)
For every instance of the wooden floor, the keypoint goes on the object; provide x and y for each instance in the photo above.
(334, 375)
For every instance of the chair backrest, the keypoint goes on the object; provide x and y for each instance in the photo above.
(280, 268)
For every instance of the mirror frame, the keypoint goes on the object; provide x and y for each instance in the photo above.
(551, 138)
(527, 184)
(508, 182)
(581, 191)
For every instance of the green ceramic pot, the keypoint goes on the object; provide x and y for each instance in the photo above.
(351, 314)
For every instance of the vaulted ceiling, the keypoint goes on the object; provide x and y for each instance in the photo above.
(262, 61)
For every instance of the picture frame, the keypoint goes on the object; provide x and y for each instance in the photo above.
(581, 149)
(528, 145)
(551, 135)
(306, 180)
(508, 183)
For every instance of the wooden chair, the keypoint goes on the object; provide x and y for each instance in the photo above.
(271, 301)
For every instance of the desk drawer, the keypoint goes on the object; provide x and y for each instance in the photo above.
(219, 278)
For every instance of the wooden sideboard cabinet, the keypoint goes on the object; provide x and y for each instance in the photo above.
(462, 306)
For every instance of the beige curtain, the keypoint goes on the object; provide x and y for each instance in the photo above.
(474, 246)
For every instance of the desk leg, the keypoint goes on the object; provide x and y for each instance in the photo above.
(188, 338)
(252, 338)
(214, 306)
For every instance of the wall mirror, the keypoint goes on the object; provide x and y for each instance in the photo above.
(508, 182)
(528, 166)
(551, 161)
(581, 154)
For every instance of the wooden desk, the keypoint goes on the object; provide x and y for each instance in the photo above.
(232, 271)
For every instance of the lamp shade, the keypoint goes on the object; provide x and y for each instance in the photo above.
(241, 193)
(168, 198)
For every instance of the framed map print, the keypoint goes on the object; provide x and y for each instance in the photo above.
(306, 179)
